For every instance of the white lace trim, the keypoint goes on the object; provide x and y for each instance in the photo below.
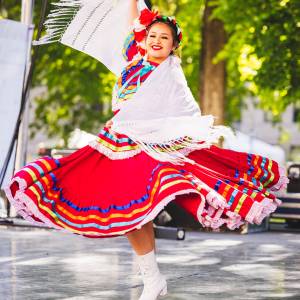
(22, 203)
(26, 207)
(282, 181)
(260, 210)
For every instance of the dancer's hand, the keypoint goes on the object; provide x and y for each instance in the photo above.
(108, 124)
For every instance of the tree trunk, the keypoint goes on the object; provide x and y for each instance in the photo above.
(212, 76)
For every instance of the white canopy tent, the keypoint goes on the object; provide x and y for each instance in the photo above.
(14, 43)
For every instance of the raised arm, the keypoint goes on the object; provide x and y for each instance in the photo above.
(133, 11)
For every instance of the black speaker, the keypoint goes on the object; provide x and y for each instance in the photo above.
(294, 177)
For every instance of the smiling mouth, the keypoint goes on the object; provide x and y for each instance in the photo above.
(156, 47)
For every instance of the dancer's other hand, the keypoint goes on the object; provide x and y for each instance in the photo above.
(108, 124)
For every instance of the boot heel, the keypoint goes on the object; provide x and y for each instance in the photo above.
(164, 291)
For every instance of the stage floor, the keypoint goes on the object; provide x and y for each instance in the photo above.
(40, 264)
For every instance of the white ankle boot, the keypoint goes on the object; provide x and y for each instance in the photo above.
(154, 283)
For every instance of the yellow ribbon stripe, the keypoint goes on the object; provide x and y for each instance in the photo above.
(239, 205)
(117, 148)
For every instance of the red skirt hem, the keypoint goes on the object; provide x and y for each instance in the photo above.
(89, 194)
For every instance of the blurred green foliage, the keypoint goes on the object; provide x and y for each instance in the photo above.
(262, 51)
(78, 86)
(262, 58)
(78, 89)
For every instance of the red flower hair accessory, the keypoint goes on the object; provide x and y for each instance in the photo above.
(147, 17)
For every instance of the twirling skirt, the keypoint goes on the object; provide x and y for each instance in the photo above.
(111, 187)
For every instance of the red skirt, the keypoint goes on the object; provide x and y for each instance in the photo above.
(111, 187)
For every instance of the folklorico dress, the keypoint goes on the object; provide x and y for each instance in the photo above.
(112, 186)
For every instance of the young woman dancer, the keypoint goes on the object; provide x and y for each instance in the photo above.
(156, 149)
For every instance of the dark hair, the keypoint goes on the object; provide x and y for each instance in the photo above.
(149, 4)
(173, 27)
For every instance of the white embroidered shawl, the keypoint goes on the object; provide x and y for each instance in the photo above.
(163, 113)
(95, 27)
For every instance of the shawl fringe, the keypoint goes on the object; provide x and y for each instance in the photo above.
(176, 151)
(58, 20)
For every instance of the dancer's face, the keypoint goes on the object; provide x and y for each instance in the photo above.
(159, 42)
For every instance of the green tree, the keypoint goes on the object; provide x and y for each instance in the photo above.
(78, 88)
(262, 52)
(213, 75)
